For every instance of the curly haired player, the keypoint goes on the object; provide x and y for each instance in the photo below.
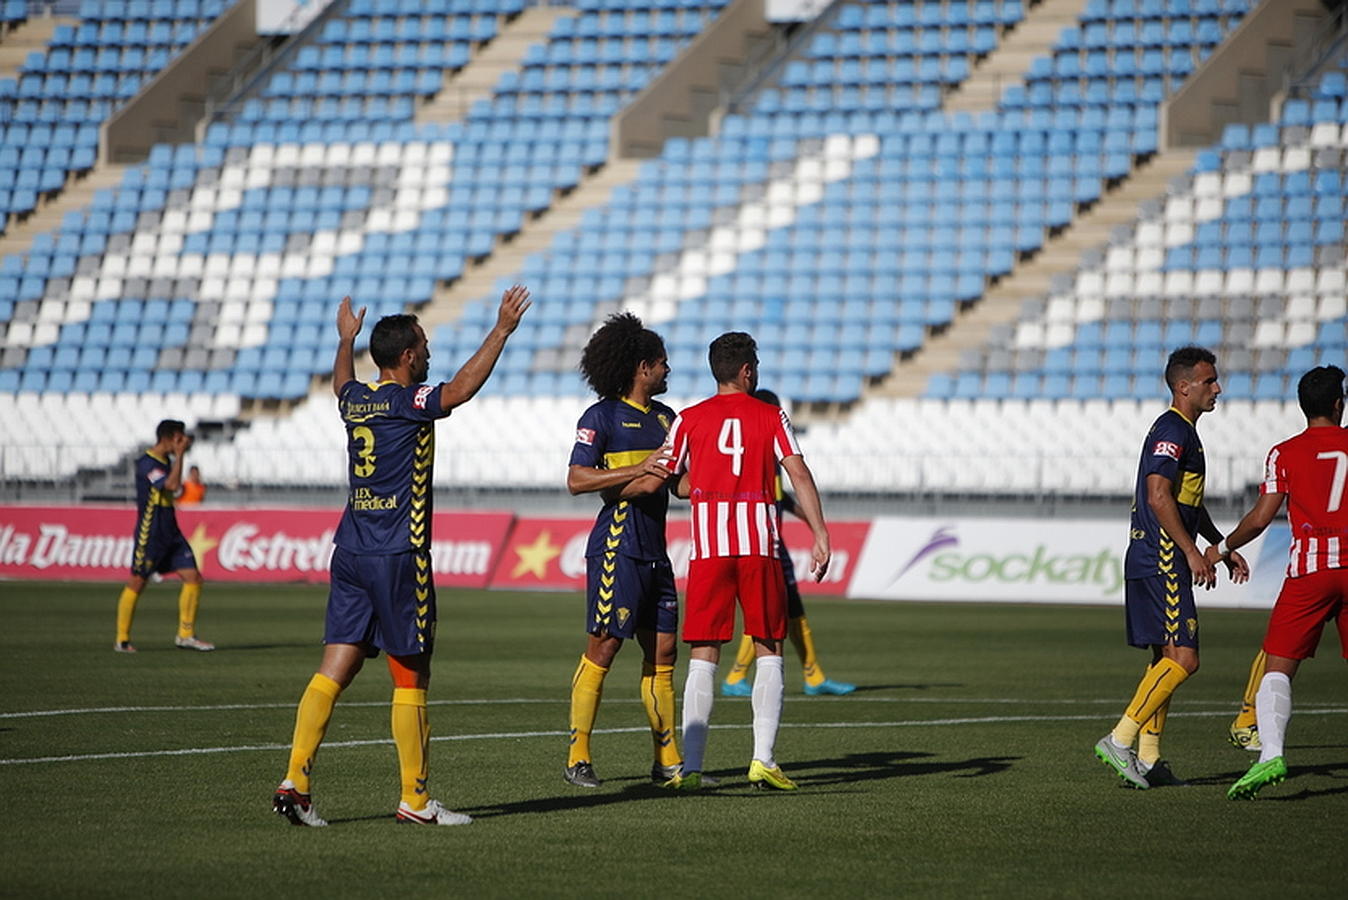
(629, 580)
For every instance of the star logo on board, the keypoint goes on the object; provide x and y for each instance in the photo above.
(536, 556)
(201, 543)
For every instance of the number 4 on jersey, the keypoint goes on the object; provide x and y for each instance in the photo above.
(731, 443)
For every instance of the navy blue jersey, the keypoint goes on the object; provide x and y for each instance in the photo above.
(156, 520)
(616, 433)
(390, 446)
(1172, 449)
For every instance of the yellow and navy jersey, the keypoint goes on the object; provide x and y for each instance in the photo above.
(390, 446)
(1172, 449)
(615, 433)
(154, 503)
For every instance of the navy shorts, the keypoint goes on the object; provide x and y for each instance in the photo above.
(794, 607)
(163, 555)
(1160, 610)
(624, 594)
(386, 602)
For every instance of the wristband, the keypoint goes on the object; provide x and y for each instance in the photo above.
(1222, 549)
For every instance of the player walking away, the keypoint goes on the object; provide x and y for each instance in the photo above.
(797, 626)
(381, 594)
(728, 448)
(159, 545)
(1309, 471)
(1162, 565)
(629, 581)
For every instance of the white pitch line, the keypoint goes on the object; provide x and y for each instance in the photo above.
(515, 735)
(853, 698)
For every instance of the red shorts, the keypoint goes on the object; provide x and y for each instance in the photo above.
(1305, 605)
(715, 583)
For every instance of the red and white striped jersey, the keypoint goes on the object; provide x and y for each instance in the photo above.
(1311, 469)
(730, 445)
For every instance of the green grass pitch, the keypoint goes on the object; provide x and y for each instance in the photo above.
(962, 767)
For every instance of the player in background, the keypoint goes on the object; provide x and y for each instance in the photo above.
(629, 581)
(1308, 471)
(797, 627)
(159, 545)
(382, 593)
(727, 449)
(1163, 564)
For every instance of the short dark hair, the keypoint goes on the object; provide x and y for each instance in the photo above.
(390, 337)
(767, 396)
(1182, 362)
(1318, 391)
(168, 428)
(729, 353)
(610, 359)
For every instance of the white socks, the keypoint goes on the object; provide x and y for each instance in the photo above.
(698, 692)
(1273, 706)
(767, 702)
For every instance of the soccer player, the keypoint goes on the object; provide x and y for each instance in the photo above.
(727, 449)
(159, 544)
(1309, 471)
(798, 627)
(1162, 565)
(382, 594)
(629, 581)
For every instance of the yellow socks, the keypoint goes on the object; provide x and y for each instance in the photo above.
(744, 658)
(1247, 716)
(657, 695)
(1153, 691)
(587, 687)
(126, 611)
(188, 600)
(311, 723)
(803, 640)
(412, 736)
(1149, 740)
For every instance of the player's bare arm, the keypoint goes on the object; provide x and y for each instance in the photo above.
(348, 326)
(178, 445)
(475, 372)
(1254, 523)
(588, 479)
(1161, 499)
(812, 511)
(1235, 564)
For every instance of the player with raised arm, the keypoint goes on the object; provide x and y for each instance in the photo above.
(797, 626)
(727, 449)
(1163, 564)
(382, 593)
(1310, 472)
(159, 546)
(629, 581)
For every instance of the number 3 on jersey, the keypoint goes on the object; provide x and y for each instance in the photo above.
(364, 468)
(731, 443)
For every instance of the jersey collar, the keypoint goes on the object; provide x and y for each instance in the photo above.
(150, 453)
(635, 405)
(1180, 414)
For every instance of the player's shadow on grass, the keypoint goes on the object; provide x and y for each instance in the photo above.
(893, 764)
(1336, 771)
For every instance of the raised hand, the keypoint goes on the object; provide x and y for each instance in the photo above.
(349, 323)
(513, 304)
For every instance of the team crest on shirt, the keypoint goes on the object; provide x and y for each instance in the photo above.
(1192, 625)
(623, 613)
(422, 395)
(585, 436)
(663, 420)
(1166, 448)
